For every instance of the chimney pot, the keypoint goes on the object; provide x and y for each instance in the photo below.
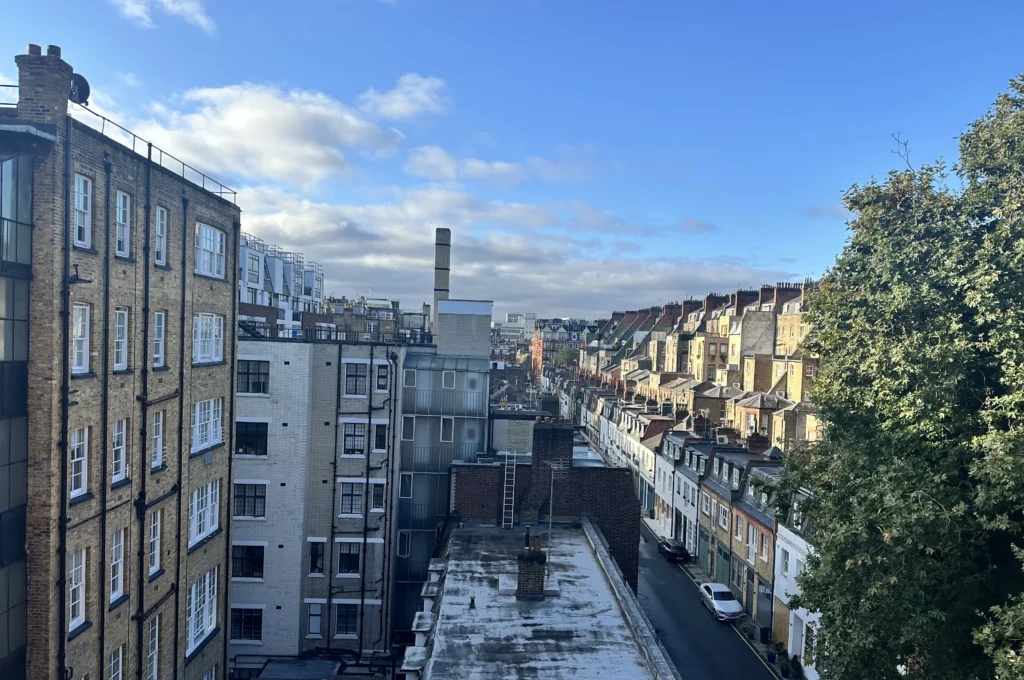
(35, 50)
(53, 50)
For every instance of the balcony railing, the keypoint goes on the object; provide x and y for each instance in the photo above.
(418, 516)
(8, 96)
(15, 248)
(255, 330)
(444, 403)
(435, 458)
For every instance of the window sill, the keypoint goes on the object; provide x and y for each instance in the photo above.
(158, 369)
(79, 629)
(165, 267)
(247, 643)
(118, 602)
(245, 518)
(257, 395)
(354, 396)
(246, 579)
(84, 249)
(158, 468)
(123, 371)
(314, 637)
(250, 456)
(155, 575)
(346, 636)
(354, 456)
(219, 362)
(378, 510)
(83, 375)
(80, 498)
(191, 654)
(349, 516)
(314, 575)
(124, 258)
(204, 540)
(347, 576)
(378, 451)
(121, 482)
(212, 277)
(202, 451)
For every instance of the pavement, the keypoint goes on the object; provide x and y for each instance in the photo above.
(701, 647)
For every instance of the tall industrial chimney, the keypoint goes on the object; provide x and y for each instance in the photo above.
(442, 266)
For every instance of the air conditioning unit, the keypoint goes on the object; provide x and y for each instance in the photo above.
(722, 439)
(736, 385)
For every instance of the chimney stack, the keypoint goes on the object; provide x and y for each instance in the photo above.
(442, 267)
(530, 585)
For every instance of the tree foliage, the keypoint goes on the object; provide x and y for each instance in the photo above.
(918, 482)
(566, 356)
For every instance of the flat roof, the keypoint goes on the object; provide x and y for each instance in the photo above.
(579, 633)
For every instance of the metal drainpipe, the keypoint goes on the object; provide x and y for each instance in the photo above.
(108, 167)
(65, 387)
(366, 494)
(181, 416)
(141, 501)
(229, 491)
(389, 506)
(329, 554)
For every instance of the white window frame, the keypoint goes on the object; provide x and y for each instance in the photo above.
(249, 269)
(79, 453)
(80, 339)
(203, 512)
(405, 377)
(123, 226)
(207, 424)
(382, 371)
(444, 380)
(408, 432)
(76, 589)
(451, 433)
(211, 674)
(751, 542)
(155, 520)
(319, 619)
(705, 503)
(407, 537)
(156, 455)
(120, 338)
(159, 332)
(401, 477)
(119, 451)
(784, 568)
(201, 610)
(153, 648)
(116, 565)
(160, 229)
(739, 527)
(210, 251)
(374, 506)
(723, 517)
(763, 537)
(82, 235)
(207, 338)
(116, 663)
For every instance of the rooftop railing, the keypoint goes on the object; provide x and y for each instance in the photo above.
(444, 403)
(8, 96)
(254, 330)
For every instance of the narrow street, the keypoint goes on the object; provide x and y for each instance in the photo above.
(701, 647)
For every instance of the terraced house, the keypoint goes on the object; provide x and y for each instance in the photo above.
(121, 267)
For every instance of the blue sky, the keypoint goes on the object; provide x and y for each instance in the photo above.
(587, 155)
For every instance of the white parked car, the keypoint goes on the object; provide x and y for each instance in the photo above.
(720, 600)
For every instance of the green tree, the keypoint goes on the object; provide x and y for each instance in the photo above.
(566, 356)
(918, 484)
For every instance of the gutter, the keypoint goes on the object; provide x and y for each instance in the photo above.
(108, 168)
(181, 441)
(230, 438)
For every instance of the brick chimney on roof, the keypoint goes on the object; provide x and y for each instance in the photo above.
(530, 584)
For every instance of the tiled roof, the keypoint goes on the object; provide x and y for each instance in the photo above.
(764, 401)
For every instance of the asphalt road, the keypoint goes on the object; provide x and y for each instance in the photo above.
(701, 647)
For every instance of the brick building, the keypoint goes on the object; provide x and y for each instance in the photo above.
(129, 382)
(604, 494)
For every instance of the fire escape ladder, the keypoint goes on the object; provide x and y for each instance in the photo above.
(509, 502)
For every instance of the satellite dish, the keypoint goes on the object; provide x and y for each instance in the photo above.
(79, 89)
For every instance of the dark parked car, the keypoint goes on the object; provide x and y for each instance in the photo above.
(673, 550)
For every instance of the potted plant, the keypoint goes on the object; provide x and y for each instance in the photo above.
(784, 667)
(770, 655)
(796, 668)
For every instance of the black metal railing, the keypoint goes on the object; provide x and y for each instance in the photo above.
(255, 330)
(15, 248)
(121, 134)
(8, 96)
(444, 403)
(435, 458)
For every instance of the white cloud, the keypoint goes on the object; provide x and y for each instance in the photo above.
(140, 12)
(432, 162)
(389, 245)
(263, 132)
(129, 79)
(571, 164)
(693, 226)
(412, 96)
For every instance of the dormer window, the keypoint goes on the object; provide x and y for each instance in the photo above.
(718, 466)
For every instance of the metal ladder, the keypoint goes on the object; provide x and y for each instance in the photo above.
(509, 503)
